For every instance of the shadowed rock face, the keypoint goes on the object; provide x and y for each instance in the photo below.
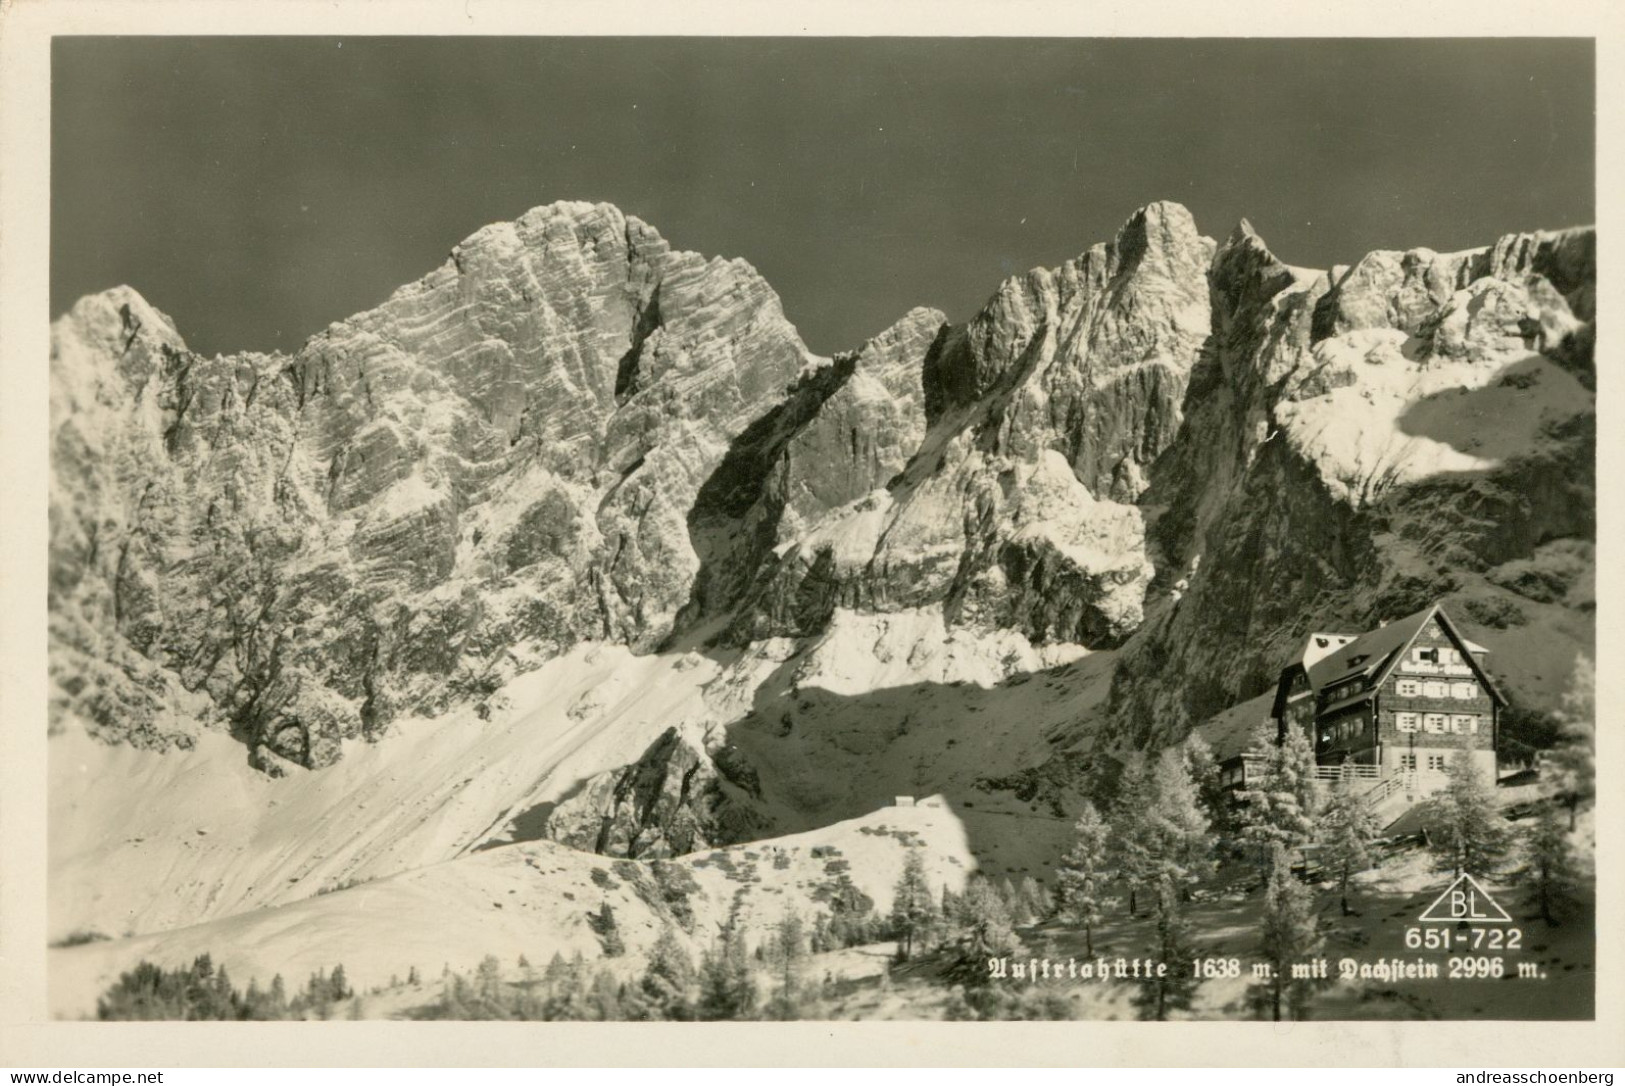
(571, 431)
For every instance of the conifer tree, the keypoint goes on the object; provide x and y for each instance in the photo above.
(1465, 831)
(1083, 872)
(1571, 767)
(604, 997)
(986, 932)
(727, 990)
(668, 978)
(528, 1003)
(1288, 934)
(1214, 797)
(254, 999)
(912, 912)
(278, 996)
(488, 982)
(609, 934)
(198, 992)
(789, 950)
(1014, 904)
(1175, 987)
(1133, 857)
(1035, 899)
(1549, 869)
(1345, 832)
(568, 990)
(1278, 800)
(1180, 840)
(821, 939)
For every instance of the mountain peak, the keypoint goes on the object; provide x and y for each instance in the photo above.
(114, 322)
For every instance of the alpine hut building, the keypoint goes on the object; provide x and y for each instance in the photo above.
(1385, 711)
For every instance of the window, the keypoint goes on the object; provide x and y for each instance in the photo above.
(1407, 722)
(1425, 656)
(1435, 690)
(1436, 762)
(1463, 691)
(1433, 723)
(1464, 724)
(1451, 656)
(1407, 762)
(1409, 688)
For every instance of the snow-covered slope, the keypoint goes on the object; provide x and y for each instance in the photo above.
(532, 899)
(142, 840)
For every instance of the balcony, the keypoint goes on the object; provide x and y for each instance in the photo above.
(1348, 771)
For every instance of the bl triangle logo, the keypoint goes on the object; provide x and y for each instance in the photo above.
(1466, 900)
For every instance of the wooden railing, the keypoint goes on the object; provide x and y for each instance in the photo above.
(1348, 771)
(1381, 787)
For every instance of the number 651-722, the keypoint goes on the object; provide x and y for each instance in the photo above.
(1496, 938)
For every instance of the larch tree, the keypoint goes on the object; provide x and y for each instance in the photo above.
(1345, 830)
(913, 911)
(1465, 831)
(1180, 841)
(1550, 870)
(1131, 833)
(1083, 872)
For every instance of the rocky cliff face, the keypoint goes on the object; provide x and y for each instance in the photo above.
(1362, 442)
(1040, 420)
(496, 461)
(670, 802)
(570, 431)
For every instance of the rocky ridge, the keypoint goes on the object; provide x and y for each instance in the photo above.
(1418, 427)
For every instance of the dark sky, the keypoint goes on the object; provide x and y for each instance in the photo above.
(258, 188)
